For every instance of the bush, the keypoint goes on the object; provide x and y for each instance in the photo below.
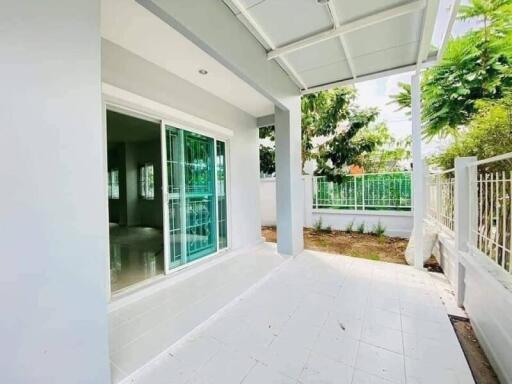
(489, 134)
(350, 226)
(379, 229)
(360, 227)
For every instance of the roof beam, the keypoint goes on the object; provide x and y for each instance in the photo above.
(336, 23)
(448, 33)
(343, 29)
(369, 76)
(283, 62)
(429, 20)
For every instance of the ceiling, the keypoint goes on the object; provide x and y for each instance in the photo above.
(128, 24)
(321, 44)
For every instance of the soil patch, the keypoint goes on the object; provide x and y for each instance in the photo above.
(363, 245)
(478, 363)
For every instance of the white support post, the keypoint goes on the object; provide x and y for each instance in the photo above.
(464, 189)
(417, 174)
(289, 188)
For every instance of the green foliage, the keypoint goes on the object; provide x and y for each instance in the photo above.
(474, 66)
(267, 160)
(360, 227)
(321, 114)
(379, 229)
(403, 98)
(267, 132)
(330, 114)
(341, 150)
(349, 227)
(387, 154)
(489, 134)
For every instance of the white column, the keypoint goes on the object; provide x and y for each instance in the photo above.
(464, 215)
(418, 173)
(289, 187)
(53, 205)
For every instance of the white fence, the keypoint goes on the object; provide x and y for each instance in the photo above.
(396, 222)
(370, 191)
(441, 190)
(472, 207)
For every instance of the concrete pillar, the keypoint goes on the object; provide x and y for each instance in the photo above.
(418, 172)
(289, 187)
(53, 203)
(464, 215)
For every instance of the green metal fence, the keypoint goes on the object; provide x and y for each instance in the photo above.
(370, 191)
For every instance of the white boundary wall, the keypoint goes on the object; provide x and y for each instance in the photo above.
(397, 223)
(482, 287)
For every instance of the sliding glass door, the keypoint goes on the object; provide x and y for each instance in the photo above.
(196, 198)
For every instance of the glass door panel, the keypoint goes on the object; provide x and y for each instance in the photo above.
(221, 194)
(175, 177)
(200, 196)
(191, 196)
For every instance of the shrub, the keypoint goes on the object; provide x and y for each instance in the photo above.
(360, 227)
(349, 227)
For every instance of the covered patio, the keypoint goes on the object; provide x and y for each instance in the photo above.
(236, 310)
(322, 318)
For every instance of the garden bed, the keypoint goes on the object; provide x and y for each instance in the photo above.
(363, 245)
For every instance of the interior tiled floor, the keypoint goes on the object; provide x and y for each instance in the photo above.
(136, 254)
(321, 318)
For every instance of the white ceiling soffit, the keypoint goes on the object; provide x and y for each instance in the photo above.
(128, 24)
(321, 44)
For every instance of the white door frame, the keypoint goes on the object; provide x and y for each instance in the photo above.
(122, 101)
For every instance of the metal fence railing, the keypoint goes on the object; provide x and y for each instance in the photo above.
(491, 208)
(441, 198)
(370, 191)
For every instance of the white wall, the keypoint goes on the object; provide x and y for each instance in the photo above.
(486, 293)
(53, 206)
(130, 72)
(396, 223)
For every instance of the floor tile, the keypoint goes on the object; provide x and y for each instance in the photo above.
(321, 370)
(381, 362)
(383, 337)
(261, 374)
(302, 326)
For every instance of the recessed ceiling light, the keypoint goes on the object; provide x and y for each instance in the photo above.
(203, 72)
(323, 2)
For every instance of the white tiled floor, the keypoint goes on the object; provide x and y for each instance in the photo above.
(321, 318)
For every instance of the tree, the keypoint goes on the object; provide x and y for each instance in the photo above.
(341, 150)
(332, 116)
(267, 152)
(321, 113)
(267, 160)
(388, 154)
(489, 134)
(475, 66)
